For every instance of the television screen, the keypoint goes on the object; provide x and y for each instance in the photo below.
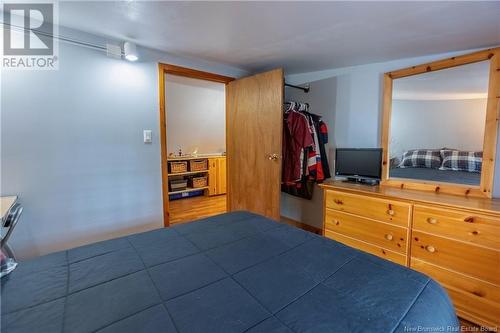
(362, 163)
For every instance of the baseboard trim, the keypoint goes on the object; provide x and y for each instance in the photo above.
(301, 225)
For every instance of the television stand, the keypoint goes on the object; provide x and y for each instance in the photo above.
(364, 181)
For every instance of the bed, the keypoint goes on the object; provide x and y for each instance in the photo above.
(447, 176)
(236, 272)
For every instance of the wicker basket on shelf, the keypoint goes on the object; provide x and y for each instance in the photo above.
(178, 167)
(200, 182)
(178, 184)
(198, 165)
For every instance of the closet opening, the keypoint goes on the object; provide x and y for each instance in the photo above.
(308, 151)
(193, 143)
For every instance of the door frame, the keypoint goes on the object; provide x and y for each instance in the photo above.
(185, 72)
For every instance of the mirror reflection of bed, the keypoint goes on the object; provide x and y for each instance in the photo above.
(437, 125)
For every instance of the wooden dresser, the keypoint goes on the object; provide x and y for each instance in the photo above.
(455, 240)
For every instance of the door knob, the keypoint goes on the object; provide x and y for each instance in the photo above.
(273, 157)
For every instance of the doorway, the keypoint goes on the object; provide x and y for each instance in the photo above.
(253, 127)
(193, 143)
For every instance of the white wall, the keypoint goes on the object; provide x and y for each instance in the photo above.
(358, 109)
(322, 100)
(434, 124)
(196, 115)
(71, 146)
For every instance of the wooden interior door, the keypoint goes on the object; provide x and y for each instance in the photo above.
(254, 120)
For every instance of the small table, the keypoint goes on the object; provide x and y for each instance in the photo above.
(6, 204)
(10, 211)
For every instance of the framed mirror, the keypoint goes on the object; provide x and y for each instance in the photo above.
(440, 123)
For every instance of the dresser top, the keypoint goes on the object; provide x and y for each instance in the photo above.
(482, 204)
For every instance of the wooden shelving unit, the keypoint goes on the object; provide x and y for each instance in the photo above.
(215, 172)
(189, 189)
(186, 173)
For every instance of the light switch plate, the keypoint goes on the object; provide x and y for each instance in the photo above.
(148, 136)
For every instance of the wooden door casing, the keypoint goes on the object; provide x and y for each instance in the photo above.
(254, 120)
(164, 69)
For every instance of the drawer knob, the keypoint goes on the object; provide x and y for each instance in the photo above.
(469, 219)
(338, 201)
(390, 212)
(337, 222)
(389, 237)
(430, 248)
(432, 220)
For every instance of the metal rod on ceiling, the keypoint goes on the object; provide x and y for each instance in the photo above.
(305, 89)
(61, 38)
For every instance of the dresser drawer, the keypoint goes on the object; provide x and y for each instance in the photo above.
(398, 258)
(479, 262)
(390, 211)
(469, 227)
(474, 300)
(483, 313)
(381, 234)
(475, 289)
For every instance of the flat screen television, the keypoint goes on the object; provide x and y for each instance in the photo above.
(359, 164)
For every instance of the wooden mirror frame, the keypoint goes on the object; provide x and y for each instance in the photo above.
(485, 187)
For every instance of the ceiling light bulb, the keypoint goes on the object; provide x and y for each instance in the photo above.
(130, 51)
(131, 57)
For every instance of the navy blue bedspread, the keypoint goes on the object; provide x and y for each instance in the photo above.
(236, 272)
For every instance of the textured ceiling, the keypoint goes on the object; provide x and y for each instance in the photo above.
(299, 36)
